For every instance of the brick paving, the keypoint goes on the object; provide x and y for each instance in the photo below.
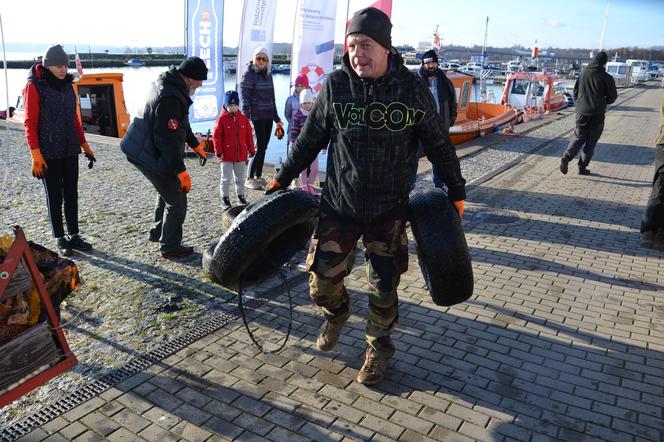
(562, 339)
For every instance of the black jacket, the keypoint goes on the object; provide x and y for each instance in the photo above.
(446, 97)
(155, 139)
(594, 90)
(375, 127)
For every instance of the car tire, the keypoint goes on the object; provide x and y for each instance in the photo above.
(229, 216)
(442, 251)
(264, 236)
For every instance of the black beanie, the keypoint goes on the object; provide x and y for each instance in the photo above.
(374, 23)
(231, 97)
(430, 56)
(194, 68)
(601, 58)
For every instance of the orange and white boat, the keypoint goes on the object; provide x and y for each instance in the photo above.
(474, 118)
(534, 92)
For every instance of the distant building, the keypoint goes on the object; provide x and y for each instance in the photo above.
(423, 46)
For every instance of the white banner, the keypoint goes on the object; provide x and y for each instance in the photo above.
(256, 30)
(313, 41)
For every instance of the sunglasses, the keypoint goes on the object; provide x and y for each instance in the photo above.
(261, 58)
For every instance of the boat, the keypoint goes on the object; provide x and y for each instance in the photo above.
(639, 70)
(134, 62)
(621, 73)
(101, 104)
(281, 69)
(535, 92)
(475, 118)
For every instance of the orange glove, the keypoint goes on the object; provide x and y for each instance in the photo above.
(458, 205)
(89, 154)
(201, 153)
(273, 186)
(185, 181)
(279, 131)
(38, 164)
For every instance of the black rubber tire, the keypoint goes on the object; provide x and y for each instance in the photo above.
(442, 251)
(229, 216)
(264, 236)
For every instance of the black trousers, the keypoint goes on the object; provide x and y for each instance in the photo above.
(653, 217)
(263, 129)
(61, 186)
(588, 130)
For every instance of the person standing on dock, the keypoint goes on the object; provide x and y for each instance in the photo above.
(154, 143)
(593, 91)
(55, 136)
(258, 104)
(444, 95)
(375, 112)
(652, 224)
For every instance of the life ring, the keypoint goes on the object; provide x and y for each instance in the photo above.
(441, 246)
(265, 235)
(316, 76)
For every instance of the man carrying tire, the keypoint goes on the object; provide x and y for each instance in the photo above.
(375, 112)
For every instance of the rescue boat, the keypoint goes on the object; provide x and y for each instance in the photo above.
(534, 92)
(474, 118)
(101, 104)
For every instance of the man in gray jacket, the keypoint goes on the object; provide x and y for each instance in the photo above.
(593, 91)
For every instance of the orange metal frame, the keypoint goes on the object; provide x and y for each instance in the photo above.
(18, 250)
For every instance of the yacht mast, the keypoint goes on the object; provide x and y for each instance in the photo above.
(486, 30)
(601, 41)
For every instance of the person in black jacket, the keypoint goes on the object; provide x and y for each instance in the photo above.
(444, 95)
(154, 143)
(593, 91)
(375, 112)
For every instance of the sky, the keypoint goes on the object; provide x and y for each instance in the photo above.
(144, 23)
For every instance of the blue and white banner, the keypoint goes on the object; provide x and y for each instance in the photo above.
(256, 30)
(313, 41)
(204, 21)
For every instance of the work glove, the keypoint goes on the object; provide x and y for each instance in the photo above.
(38, 164)
(273, 186)
(202, 156)
(279, 131)
(89, 154)
(185, 181)
(458, 205)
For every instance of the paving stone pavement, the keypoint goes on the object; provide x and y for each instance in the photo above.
(562, 339)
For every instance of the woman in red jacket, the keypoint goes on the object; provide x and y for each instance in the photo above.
(233, 144)
(55, 137)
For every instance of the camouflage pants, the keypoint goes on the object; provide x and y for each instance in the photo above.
(331, 257)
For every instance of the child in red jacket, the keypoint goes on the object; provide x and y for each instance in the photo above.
(233, 143)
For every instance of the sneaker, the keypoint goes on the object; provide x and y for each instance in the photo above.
(226, 202)
(564, 162)
(254, 184)
(375, 366)
(584, 171)
(261, 181)
(63, 246)
(178, 252)
(77, 242)
(241, 199)
(329, 337)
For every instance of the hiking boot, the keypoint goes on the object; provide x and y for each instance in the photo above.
(329, 337)
(178, 252)
(652, 240)
(226, 202)
(241, 199)
(63, 246)
(375, 366)
(584, 171)
(77, 242)
(564, 162)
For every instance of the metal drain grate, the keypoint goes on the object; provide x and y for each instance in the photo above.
(133, 367)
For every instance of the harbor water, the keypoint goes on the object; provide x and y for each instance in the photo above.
(138, 79)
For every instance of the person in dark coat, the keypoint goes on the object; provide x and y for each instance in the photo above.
(375, 112)
(154, 143)
(652, 224)
(444, 95)
(593, 91)
(56, 139)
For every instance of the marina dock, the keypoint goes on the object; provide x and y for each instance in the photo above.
(562, 340)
